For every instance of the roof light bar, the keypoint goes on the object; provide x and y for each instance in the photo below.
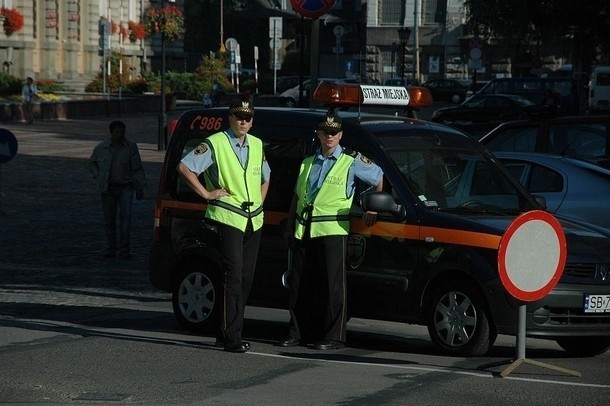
(350, 94)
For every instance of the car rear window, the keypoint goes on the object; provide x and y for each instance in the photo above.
(520, 139)
(585, 141)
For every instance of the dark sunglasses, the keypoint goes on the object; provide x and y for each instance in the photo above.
(243, 117)
(329, 132)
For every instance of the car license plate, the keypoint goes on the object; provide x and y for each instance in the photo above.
(597, 303)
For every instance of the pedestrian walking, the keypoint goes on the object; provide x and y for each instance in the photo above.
(29, 92)
(237, 179)
(116, 165)
(319, 224)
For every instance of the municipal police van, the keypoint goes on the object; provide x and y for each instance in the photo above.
(431, 258)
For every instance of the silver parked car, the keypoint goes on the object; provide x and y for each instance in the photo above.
(571, 187)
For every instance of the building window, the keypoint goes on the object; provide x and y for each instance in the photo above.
(7, 3)
(52, 19)
(73, 26)
(132, 14)
(434, 11)
(35, 19)
(392, 12)
(103, 8)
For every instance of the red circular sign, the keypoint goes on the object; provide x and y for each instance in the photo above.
(312, 8)
(532, 255)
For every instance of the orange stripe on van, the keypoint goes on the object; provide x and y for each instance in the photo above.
(471, 238)
(434, 234)
(384, 229)
(271, 217)
(380, 229)
(173, 204)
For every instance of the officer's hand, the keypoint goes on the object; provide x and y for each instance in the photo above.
(139, 194)
(369, 218)
(217, 194)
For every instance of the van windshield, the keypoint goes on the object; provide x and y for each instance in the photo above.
(452, 178)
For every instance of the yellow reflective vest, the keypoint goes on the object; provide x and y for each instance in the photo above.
(328, 214)
(244, 184)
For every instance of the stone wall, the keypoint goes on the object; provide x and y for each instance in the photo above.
(66, 109)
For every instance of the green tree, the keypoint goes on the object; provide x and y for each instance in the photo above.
(114, 80)
(210, 71)
(579, 29)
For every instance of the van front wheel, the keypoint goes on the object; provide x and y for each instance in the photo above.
(196, 299)
(457, 321)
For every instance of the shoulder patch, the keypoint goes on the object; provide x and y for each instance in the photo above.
(201, 148)
(365, 160)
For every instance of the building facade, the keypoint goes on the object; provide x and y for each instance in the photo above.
(431, 49)
(60, 39)
(361, 38)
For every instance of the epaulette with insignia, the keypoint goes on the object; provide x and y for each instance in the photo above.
(350, 151)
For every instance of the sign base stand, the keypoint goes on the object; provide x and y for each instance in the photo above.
(515, 363)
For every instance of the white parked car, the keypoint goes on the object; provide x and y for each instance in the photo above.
(290, 97)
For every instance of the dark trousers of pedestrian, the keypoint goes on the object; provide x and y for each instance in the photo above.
(117, 200)
(239, 254)
(317, 290)
(28, 110)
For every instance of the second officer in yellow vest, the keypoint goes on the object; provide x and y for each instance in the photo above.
(236, 182)
(321, 210)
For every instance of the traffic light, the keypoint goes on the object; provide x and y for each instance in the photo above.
(104, 40)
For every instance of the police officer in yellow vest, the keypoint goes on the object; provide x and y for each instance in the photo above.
(236, 182)
(321, 211)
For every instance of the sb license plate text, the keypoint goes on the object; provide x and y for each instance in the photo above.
(597, 303)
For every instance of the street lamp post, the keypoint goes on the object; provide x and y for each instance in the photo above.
(403, 35)
(162, 112)
(393, 59)
(162, 109)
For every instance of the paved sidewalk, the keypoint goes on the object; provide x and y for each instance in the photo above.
(51, 228)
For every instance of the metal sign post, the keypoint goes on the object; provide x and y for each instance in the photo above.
(275, 33)
(256, 69)
(8, 149)
(531, 258)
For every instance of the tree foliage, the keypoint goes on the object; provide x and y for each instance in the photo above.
(527, 24)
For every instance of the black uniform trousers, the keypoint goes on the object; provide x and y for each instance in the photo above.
(317, 285)
(239, 254)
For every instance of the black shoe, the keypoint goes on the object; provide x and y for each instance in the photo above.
(328, 345)
(237, 346)
(289, 342)
(220, 343)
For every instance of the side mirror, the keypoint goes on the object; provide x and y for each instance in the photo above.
(382, 202)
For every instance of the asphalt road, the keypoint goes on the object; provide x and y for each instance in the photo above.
(76, 328)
